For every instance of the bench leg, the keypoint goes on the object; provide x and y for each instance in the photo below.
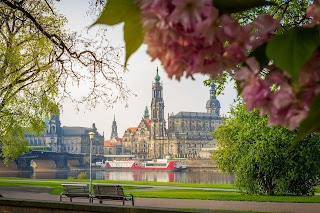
(70, 199)
(132, 201)
(123, 200)
(100, 201)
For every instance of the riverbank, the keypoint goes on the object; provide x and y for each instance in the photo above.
(213, 205)
(170, 190)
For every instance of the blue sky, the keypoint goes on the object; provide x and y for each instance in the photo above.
(186, 95)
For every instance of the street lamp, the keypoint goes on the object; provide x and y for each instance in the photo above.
(91, 135)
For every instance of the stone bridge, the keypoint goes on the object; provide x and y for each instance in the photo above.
(47, 160)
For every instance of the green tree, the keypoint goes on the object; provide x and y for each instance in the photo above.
(39, 60)
(259, 157)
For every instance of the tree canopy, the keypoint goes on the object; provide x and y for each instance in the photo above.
(258, 155)
(39, 60)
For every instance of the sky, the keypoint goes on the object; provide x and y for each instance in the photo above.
(186, 95)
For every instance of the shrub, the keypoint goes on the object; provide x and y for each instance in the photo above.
(82, 175)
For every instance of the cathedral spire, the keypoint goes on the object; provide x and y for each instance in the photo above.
(114, 133)
(157, 78)
(146, 113)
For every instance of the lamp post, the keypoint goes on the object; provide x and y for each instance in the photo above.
(91, 134)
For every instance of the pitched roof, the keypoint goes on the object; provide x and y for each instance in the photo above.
(133, 129)
(147, 122)
(109, 143)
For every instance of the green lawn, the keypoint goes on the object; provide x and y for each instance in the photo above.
(223, 186)
(223, 195)
(178, 194)
(56, 187)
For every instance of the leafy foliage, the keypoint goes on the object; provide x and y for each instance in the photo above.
(291, 50)
(118, 11)
(27, 77)
(259, 157)
(82, 175)
(39, 62)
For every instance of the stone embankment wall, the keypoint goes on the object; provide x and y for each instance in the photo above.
(41, 165)
(11, 167)
(200, 164)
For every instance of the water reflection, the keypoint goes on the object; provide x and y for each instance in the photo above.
(161, 176)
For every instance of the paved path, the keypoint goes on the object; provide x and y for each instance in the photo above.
(38, 193)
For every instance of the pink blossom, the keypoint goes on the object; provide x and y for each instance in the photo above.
(256, 92)
(265, 24)
(192, 32)
(191, 36)
(187, 13)
(234, 54)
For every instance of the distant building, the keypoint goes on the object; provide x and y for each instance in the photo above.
(114, 145)
(67, 139)
(188, 133)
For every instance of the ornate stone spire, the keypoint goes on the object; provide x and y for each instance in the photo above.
(146, 113)
(157, 78)
(114, 133)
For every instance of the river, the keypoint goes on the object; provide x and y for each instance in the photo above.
(157, 176)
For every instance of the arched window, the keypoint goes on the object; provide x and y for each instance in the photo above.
(53, 129)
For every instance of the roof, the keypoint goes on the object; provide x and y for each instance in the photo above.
(109, 143)
(133, 129)
(77, 131)
(147, 122)
(196, 114)
(69, 130)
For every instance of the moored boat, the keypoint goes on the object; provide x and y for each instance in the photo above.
(158, 164)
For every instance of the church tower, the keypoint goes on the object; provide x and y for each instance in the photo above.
(157, 108)
(157, 122)
(213, 105)
(114, 133)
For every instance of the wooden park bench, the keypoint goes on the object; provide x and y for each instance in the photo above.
(75, 190)
(111, 192)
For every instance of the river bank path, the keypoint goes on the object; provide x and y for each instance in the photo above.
(40, 193)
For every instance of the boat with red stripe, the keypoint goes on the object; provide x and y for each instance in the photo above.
(158, 164)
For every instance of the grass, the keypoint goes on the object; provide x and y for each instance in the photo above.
(177, 194)
(151, 183)
(56, 187)
(223, 195)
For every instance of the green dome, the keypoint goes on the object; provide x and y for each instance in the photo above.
(157, 78)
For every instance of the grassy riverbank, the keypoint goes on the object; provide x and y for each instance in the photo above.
(223, 195)
(178, 194)
(151, 183)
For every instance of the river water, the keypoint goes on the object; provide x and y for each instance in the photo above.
(157, 176)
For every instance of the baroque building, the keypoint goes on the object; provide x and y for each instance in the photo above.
(67, 139)
(188, 133)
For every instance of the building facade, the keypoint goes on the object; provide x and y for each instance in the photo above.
(188, 133)
(67, 139)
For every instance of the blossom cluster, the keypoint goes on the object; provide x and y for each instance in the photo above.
(191, 36)
(289, 103)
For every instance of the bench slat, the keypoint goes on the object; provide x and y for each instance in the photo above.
(110, 192)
